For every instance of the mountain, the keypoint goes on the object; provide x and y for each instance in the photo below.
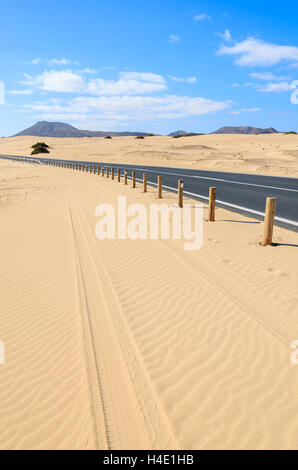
(245, 130)
(182, 133)
(172, 134)
(60, 129)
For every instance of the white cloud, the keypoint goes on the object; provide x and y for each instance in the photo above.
(36, 61)
(267, 76)
(64, 81)
(87, 70)
(62, 62)
(236, 85)
(226, 36)
(253, 51)
(202, 16)
(145, 77)
(174, 38)
(131, 108)
(21, 92)
(186, 80)
(274, 87)
(129, 83)
(246, 110)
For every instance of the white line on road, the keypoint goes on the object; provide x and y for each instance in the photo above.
(217, 179)
(228, 204)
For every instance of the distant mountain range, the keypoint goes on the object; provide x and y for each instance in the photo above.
(60, 129)
(245, 130)
(182, 133)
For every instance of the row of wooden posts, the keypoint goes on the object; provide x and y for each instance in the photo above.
(101, 170)
(270, 202)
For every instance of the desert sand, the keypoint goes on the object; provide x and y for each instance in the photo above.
(140, 344)
(272, 154)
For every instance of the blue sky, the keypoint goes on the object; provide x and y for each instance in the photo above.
(153, 66)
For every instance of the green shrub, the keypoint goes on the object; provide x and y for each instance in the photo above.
(40, 147)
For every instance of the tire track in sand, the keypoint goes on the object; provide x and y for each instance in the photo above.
(127, 410)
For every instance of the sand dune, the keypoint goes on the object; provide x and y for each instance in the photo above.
(273, 154)
(139, 344)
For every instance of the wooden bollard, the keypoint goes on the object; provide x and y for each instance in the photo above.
(133, 177)
(94, 169)
(125, 177)
(145, 182)
(159, 184)
(103, 171)
(90, 168)
(180, 193)
(269, 220)
(98, 170)
(119, 175)
(112, 172)
(108, 172)
(212, 198)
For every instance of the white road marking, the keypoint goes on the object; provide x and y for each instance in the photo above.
(217, 179)
(228, 204)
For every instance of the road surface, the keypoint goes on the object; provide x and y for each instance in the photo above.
(240, 192)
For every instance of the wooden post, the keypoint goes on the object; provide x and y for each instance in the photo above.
(212, 198)
(145, 182)
(94, 169)
(133, 177)
(180, 193)
(103, 171)
(119, 175)
(125, 177)
(112, 171)
(98, 170)
(90, 168)
(159, 183)
(269, 220)
(108, 171)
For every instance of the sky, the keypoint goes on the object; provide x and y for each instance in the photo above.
(155, 66)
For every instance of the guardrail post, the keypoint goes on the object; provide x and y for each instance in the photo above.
(212, 198)
(180, 193)
(125, 177)
(98, 170)
(108, 172)
(112, 171)
(159, 183)
(145, 182)
(133, 177)
(103, 171)
(269, 220)
(119, 175)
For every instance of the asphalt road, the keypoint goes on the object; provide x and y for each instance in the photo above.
(244, 193)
